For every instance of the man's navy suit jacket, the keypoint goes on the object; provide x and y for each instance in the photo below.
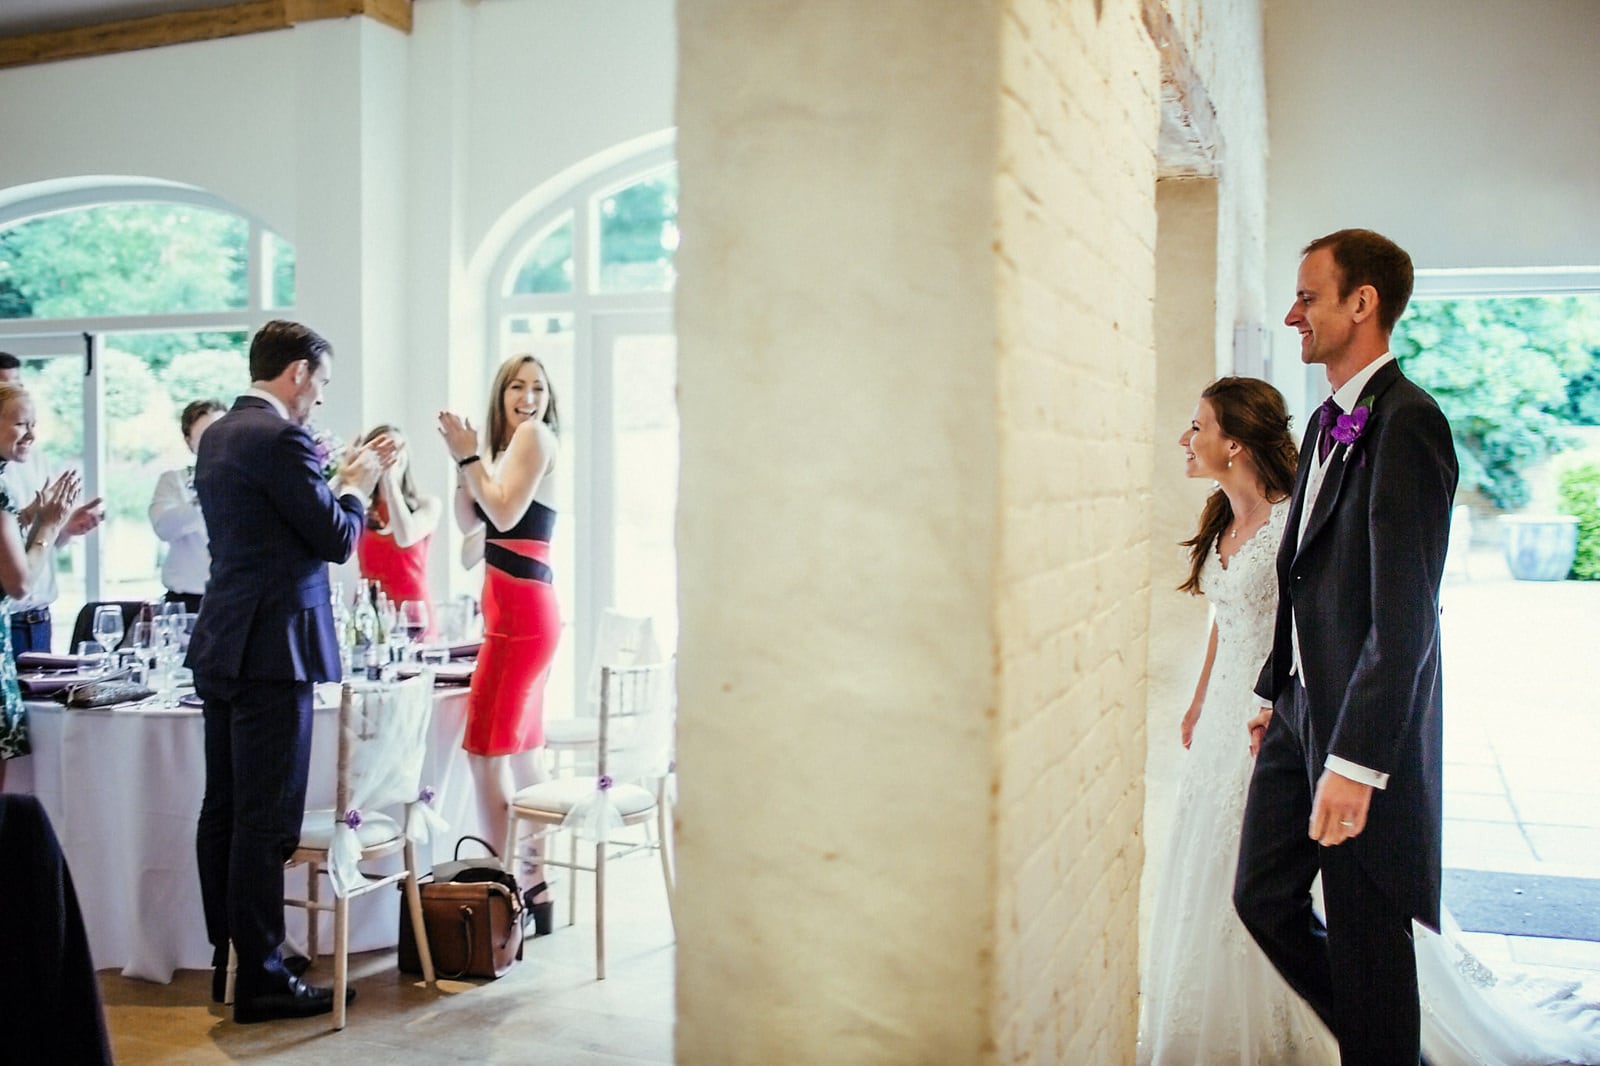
(274, 526)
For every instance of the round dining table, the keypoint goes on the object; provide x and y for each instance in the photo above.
(123, 786)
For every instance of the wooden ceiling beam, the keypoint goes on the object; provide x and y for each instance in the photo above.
(182, 27)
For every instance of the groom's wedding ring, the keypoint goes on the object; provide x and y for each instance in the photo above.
(1349, 825)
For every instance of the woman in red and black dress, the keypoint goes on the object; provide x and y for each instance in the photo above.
(510, 493)
(393, 549)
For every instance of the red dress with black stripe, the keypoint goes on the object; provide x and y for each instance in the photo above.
(521, 626)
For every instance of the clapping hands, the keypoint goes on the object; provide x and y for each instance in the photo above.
(53, 507)
(460, 439)
(365, 465)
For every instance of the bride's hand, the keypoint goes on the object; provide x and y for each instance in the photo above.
(1186, 728)
(1258, 730)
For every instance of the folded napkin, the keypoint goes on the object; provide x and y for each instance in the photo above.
(43, 660)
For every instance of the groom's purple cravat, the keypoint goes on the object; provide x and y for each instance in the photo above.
(1328, 413)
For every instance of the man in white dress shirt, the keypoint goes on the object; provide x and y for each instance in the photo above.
(175, 515)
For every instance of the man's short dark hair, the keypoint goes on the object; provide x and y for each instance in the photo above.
(1367, 258)
(9, 362)
(197, 410)
(280, 343)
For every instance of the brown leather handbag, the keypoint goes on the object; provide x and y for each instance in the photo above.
(472, 913)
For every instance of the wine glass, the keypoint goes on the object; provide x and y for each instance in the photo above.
(107, 626)
(170, 614)
(414, 621)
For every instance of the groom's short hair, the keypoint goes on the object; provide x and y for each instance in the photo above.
(1368, 258)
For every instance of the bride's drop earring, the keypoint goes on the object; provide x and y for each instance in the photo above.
(1230, 464)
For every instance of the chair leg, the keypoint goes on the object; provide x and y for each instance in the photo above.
(572, 877)
(419, 930)
(600, 911)
(313, 915)
(341, 957)
(669, 876)
(233, 973)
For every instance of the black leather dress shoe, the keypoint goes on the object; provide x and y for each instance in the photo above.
(297, 965)
(296, 1000)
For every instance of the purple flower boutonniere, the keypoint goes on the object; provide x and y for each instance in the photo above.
(1348, 428)
(329, 451)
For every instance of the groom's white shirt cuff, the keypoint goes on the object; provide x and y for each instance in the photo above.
(1356, 772)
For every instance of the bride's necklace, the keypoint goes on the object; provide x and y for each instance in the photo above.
(1233, 534)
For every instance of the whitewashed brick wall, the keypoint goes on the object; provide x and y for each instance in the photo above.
(1080, 112)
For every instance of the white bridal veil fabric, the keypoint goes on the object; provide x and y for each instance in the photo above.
(1209, 994)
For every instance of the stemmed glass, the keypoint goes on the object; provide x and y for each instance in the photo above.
(108, 625)
(414, 623)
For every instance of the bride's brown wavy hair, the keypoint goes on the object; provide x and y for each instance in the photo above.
(1251, 412)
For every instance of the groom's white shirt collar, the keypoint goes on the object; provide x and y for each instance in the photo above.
(277, 404)
(1349, 394)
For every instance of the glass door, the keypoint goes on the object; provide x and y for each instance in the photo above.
(636, 497)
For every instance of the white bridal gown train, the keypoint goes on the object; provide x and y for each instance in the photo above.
(1210, 997)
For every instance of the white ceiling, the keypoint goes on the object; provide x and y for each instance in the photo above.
(38, 16)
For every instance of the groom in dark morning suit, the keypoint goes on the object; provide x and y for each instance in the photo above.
(264, 636)
(1347, 781)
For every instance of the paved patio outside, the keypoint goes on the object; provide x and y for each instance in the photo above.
(1522, 740)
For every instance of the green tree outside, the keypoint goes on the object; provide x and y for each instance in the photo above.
(1511, 375)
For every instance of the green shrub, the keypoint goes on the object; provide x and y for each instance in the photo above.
(1580, 495)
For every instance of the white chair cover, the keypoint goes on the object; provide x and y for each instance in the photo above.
(638, 710)
(384, 739)
(621, 640)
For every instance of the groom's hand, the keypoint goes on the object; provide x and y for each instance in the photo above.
(1339, 810)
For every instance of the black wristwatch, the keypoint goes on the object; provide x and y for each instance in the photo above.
(468, 461)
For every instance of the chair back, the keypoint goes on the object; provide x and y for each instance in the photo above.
(383, 739)
(636, 710)
(83, 625)
(620, 640)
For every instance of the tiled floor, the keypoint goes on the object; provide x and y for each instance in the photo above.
(1522, 729)
(549, 1009)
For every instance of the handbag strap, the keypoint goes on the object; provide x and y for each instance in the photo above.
(490, 848)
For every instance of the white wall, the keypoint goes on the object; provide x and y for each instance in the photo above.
(1463, 129)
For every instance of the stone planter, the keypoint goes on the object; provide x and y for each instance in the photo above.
(1539, 547)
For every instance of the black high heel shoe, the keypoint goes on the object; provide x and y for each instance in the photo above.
(543, 915)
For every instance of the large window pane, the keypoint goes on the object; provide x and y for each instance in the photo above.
(279, 270)
(124, 259)
(149, 379)
(547, 267)
(645, 478)
(639, 235)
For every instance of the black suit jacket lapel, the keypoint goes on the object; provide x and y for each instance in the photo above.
(1343, 455)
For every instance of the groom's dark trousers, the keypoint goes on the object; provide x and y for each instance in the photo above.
(1378, 1023)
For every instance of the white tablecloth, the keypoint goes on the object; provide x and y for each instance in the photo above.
(123, 789)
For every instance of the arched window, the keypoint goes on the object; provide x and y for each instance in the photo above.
(585, 284)
(126, 300)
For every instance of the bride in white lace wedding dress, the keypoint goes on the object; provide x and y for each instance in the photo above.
(1210, 997)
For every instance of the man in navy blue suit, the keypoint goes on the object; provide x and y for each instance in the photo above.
(264, 637)
(1348, 779)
